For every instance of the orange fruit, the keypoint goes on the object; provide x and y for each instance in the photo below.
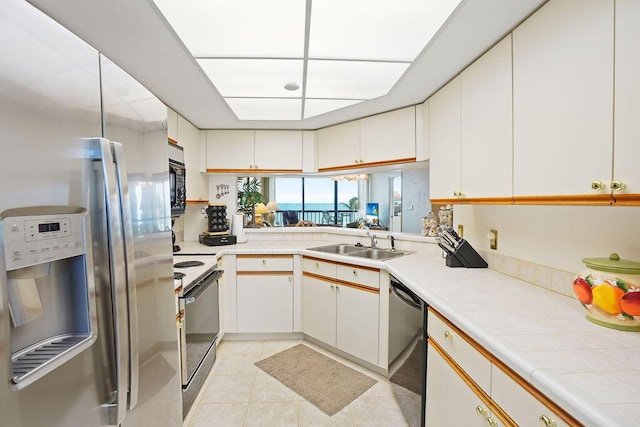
(631, 303)
(608, 298)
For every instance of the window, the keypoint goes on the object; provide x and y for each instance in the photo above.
(321, 200)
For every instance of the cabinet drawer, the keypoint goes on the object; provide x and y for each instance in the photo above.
(474, 363)
(322, 268)
(359, 275)
(521, 406)
(264, 263)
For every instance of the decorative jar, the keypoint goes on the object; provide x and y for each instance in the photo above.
(430, 225)
(609, 290)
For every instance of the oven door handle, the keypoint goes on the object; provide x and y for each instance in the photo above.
(198, 290)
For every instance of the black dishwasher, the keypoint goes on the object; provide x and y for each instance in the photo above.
(408, 350)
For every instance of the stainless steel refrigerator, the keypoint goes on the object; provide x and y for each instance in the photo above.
(87, 317)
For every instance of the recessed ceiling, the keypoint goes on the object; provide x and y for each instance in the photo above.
(137, 36)
(334, 51)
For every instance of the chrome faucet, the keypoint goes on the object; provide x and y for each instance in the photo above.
(373, 239)
(393, 242)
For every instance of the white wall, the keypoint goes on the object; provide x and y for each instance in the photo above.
(554, 236)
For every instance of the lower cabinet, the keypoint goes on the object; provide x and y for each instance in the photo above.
(265, 303)
(264, 293)
(342, 314)
(468, 386)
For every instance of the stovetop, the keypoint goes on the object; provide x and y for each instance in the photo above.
(203, 264)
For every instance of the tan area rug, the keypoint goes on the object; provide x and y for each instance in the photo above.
(322, 381)
(409, 375)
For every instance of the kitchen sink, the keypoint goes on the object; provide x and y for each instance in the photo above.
(372, 253)
(341, 249)
(359, 251)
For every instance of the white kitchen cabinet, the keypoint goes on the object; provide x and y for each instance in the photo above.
(486, 125)
(563, 101)
(463, 376)
(339, 146)
(422, 131)
(387, 138)
(189, 137)
(627, 108)
(264, 293)
(450, 400)
(265, 302)
(357, 322)
(249, 151)
(343, 314)
(319, 309)
(445, 149)
(172, 125)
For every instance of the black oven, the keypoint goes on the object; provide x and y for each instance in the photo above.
(200, 325)
(177, 180)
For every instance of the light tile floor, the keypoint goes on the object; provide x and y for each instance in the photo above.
(237, 393)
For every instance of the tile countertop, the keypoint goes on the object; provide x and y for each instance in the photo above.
(591, 371)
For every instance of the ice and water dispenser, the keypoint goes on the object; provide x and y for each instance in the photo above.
(49, 287)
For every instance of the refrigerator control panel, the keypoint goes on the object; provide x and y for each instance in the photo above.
(35, 239)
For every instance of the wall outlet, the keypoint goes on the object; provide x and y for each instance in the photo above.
(493, 239)
(461, 230)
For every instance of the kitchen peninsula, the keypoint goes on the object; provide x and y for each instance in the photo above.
(539, 335)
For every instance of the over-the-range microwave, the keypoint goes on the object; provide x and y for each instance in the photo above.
(177, 179)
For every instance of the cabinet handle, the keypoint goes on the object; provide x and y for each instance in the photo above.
(447, 335)
(481, 411)
(547, 422)
(458, 194)
(264, 262)
(491, 422)
(618, 185)
(317, 265)
(598, 185)
(333, 286)
(355, 273)
(255, 166)
(290, 278)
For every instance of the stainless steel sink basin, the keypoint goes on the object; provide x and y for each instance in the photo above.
(376, 253)
(359, 251)
(340, 249)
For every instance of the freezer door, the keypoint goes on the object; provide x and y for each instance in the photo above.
(136, 120)
(49, 104)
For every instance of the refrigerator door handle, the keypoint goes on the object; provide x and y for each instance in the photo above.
(127, 233)
(117, 408)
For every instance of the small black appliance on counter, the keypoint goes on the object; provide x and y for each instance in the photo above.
(459, 251)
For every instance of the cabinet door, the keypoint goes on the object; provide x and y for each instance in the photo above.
(486, 125)
(339, 146)
(229, 150)
(563, 99)
(450, 402)
(197, 183)
(422, 131)
(357, 322)
(627, 108)
(265, 303)
(319, 309)
(279, 151)
(445, 151)
(388, 137)
(172, 124)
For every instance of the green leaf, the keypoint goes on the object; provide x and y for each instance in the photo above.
(589, 280)
(627, 316)
(622, 285)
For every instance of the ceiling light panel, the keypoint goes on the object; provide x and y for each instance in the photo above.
(254, 77)
(265, 109)
(375, 29)
(315, 107)
(352, 79)
(238, 28)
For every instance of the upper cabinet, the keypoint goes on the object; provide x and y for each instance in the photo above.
(190, 138)
(563, 103)
(172, 125)
(626, 173)
(486, 126)
(248, 151)
(470, 132)
(388, 138)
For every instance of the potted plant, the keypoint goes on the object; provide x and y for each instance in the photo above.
(249, 193)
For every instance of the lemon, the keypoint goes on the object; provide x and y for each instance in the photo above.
(608, 297)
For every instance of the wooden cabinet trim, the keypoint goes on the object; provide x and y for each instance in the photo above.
(627, 199)
(264, 273)
(173, 141)
(319, 277)
(368, 164)
(510, 373)
(253, 171)
(342, 282)
(197, 202)
(246, 256)
(362, 267)
(475, 201)
(582, 200)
